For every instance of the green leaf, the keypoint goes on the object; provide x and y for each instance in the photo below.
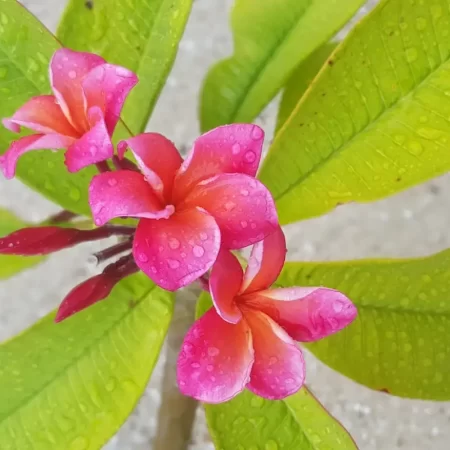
(71, 385)
(11, 265)
(375, 121)
(300, 80)
(400, 341)
(297, 422)
(270, 40)
(25, 51)
(141, 35)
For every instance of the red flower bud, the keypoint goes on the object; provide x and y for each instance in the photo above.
(44, 240)
(96, 288)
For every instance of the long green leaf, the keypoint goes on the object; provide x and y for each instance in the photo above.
(300, 80)
(141, 35)
(11, 265)
(251, 422)
(25, 51)
(400, 341)
(71, 385)
(271, 38)
(375, 121)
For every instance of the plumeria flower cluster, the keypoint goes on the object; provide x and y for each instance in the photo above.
(192, 214)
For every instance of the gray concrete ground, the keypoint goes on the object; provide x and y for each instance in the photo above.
(412, 223)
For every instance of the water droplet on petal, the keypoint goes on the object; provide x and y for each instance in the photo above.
(236, 149)
(203, 236)
(173, 263)
(213, 351)
(72, 74)
(250, 156)
(143, 257)
(257, 133)
(209, 367)
(273, 360)
(174, 243)
(195, 365)
(229, 205)
(244, 224)
(112, 182)
(198, 251)
(244, 192)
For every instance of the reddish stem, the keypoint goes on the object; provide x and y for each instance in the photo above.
(124, 164)
(63, 216)
(103, 166)
(108, 253)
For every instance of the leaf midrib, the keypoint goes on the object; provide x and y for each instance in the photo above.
(366, 128)
(80, 356)
(260, 70)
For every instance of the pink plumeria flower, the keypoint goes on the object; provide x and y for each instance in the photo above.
(80, 116)
(189, 209)
(248, 339)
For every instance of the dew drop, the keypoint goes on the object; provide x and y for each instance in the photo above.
(195, 365)
(4, 19)
(244, 192)
(213, 351)
(236, 149)
(273, 360)
(173, 263)
(110, 385)
(112, 182)
(229, 205)
(72, 74)
(93, 149)
(3, 72)
(257, 133)
(174, 243)
(198, 251)
(143, 257)
(415, 148)
(421, 23)
(250, 156)
(244, 224)
(209, 367)
(271, 445)
(257, 402)
(203, 236)
(74, 194)
(411, 54)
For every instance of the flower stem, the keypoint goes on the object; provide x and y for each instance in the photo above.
(124, 164)
(102, 167)
(108, 253)
(63, 216)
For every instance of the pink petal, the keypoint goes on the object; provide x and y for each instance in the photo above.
(177, 251)
(8, 161)
(157, 158)
(265, 262)
(279, 368)
(224, 284)
(41, 114)
(107, 86)
(228, 149)
(242, 206)
(123, 194)
(307, 314)
(215, 360)
(93, 147)
(67, 70)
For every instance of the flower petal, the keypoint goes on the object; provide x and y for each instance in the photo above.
(41, 114)
(157, 158)
(228, 149)
(107, 86)
(124, 193)
(224, 284)
(242, 206)
(177, 251)
(307, 314)
(265, 262)
(8, 160)
(93, 147)
(215, 360)
(279, 367)
(67, 70)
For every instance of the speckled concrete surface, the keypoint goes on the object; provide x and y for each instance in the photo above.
(412, 223)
